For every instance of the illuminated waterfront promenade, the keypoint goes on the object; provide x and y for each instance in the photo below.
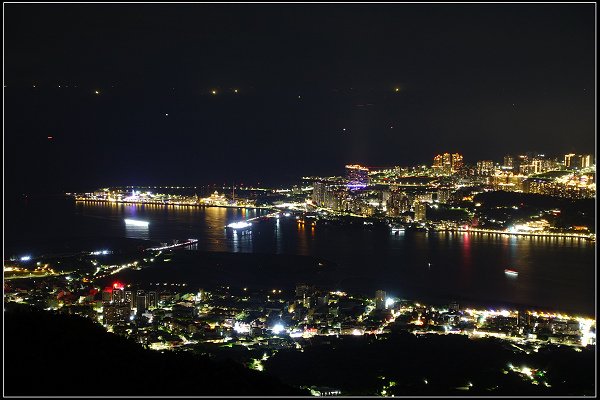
(171, 203)
(539, 234)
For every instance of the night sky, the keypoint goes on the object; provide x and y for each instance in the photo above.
(318, 86)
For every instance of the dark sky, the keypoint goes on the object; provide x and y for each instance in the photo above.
(480, 79)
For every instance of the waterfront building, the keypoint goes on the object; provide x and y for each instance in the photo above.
(420, 209)
(318, 194)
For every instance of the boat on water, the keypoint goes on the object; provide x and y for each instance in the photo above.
(136, 222)
(397, 230)
(511, 272)
(242, 228)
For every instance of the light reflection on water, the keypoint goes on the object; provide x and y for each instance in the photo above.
(552, 271)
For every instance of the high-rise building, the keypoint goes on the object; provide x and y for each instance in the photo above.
(448, 163)
(130, 298)
(457, 162)
(572, 161)
(118, 294)
(443, 195)
(485, 167)
(380, 296)
(438, 162)
(509, 162)
(357, 175)
(425, 197)
(151, 300)
(318, 194)
(587, 160)
(420, 210)
(140, 302)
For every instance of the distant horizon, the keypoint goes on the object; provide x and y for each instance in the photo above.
(268, 93)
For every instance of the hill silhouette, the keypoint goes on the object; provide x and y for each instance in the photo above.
(50, 354)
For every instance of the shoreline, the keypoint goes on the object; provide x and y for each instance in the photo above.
(190, 257)
(157, 203)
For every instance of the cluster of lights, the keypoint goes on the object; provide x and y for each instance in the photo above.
(100, 252)
(136, 222)
(239, 225)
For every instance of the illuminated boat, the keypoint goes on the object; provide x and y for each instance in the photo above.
(135, 222)
(241, 227)
(511, 272)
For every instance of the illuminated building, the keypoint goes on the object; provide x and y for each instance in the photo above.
(357, 175)
(485, 167)
(438, 162)
(115, 313)
(318, 194)
(447, 163)
(443, 195)
(570, 186)
(420, 210)
(129, 298)
(507, 181)
(215, 199)
(380, 296)
(397, 203)
(576, 161)
(424, 197)
(457, 162)
(587, 161)
(572, 160)
(151, 300)
(508, 162)
(118, 294)
(334, 198)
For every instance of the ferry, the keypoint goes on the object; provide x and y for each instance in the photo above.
(511, 272)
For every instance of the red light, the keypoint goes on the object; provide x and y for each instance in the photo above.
(117, 285)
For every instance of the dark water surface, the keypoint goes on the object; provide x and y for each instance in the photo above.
(556, 274)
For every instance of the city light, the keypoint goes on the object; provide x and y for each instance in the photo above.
(277, 329)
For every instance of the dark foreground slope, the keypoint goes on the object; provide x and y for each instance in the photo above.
(63, 355)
